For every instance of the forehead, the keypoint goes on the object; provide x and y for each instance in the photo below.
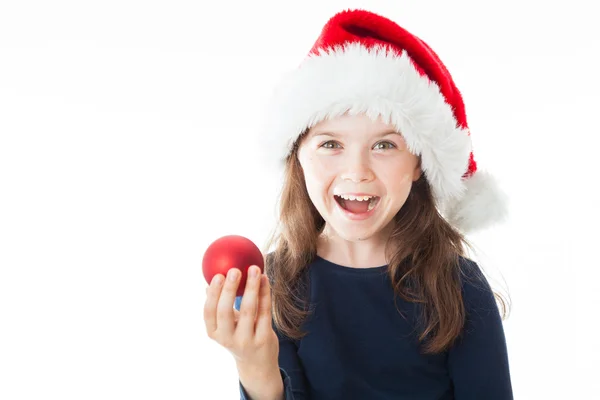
(349, 134)
(352, 126)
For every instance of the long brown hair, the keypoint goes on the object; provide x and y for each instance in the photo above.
(422, 251)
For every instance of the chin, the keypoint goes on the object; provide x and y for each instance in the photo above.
(353, 233)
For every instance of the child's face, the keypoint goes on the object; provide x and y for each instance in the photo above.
(355, 155)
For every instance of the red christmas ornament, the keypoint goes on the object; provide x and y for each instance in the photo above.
(232, 251)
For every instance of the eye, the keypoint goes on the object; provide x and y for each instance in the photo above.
(330, 144)
(385, 145)
(390, 145)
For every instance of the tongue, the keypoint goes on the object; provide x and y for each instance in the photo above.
(356, 206)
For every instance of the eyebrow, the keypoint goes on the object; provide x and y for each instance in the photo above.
(336, 135)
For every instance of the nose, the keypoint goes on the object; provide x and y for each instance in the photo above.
(357, 169)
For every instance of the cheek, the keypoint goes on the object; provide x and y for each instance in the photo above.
(317, 172)
(398, 185)
(318, 164)
(318, 181)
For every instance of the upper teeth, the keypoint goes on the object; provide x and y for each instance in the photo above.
(359, 198)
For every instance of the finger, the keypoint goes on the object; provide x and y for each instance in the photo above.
(225, 321)
(249, 305)
(210, 306)
(264, 319)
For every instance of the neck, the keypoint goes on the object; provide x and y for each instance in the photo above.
(366, 253)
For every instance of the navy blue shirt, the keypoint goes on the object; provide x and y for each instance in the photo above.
(360, 347)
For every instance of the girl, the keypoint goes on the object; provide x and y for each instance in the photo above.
(369, 293)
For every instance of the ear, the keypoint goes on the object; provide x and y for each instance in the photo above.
(298, 153)
(417, 171)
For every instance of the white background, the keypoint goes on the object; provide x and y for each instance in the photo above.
(127, 145)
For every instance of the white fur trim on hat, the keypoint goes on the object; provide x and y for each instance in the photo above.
(353, 79)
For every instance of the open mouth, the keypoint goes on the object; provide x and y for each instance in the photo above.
(357, 204)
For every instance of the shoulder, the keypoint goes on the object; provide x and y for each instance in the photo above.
(289, 290)
(298, 285)
(274, 267)
(470, 272)
(471, 275)
(476, 290)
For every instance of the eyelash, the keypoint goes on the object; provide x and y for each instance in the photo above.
(333, 141)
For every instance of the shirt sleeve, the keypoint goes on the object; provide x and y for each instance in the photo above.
(292, 373)
(478, 361)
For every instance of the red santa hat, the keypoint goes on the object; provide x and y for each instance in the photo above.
(365, 63)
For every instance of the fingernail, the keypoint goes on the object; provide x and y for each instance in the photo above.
(253, 271)
(232, 274)
(217, 279)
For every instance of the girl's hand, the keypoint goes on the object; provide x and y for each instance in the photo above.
(248, 333)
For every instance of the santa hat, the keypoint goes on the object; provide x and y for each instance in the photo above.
(365, 63)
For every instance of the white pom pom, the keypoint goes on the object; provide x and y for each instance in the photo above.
(482, 205)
